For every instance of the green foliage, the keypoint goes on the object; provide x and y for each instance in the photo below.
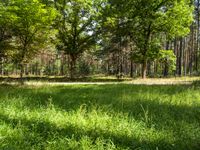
(31, 27)
(177, 19)
(168, 57)
(75, 24)
(155, 18)
(5, 33)
(118, 29)
(152, 52)
(146, 21)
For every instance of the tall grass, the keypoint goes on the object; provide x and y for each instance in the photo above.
(100, 117)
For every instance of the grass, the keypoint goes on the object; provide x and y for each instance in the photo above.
(93, 78)
(98, 117)
(99, 78)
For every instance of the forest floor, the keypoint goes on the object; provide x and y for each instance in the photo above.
(97, 117)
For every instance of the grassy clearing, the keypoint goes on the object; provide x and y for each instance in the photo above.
(121, 116)
(100, 79)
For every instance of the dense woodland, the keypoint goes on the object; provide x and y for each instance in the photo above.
(76, 38)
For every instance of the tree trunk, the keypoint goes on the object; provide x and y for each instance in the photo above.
(180, 57)
(2, 67)
(62, 65)
(72, 66)
(144, 69)
(149, 68)
(26, 70)
(191, 49)
(131, 74)
(21, 74)
(166, 67)
(108, 68)
(198, 26)
(121, 67)
(144, 64)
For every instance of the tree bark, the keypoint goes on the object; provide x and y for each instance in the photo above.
(166, 67)
(131, 74)
(72, 66)
(197, 47)
(144, 64)
(21, 74)
(62, 65)
(2, 67)
(180, 57)
(144, 69)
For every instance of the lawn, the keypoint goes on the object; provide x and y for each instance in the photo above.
(98, 117)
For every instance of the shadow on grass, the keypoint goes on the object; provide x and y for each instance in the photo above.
(132, 99)
(136, 100)
(62, 79)
(196, 83)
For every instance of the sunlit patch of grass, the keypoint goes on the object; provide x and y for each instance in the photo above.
(97, 80)
(99, 117)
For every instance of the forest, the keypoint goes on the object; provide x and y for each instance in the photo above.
(122, 38)
(99, 74)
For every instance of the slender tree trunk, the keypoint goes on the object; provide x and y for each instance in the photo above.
(118, 65)
(197, 36)
(108, 68)
(62, 65)
(176, 47)
(72, 66)
(144, 64)
(26, 70)
(155, 68)
(121, 66)
(131, 74)
(144, 69)
(191, 49)
(180, 57)
(184, 56)
(21, 74)
(2, 67)
(166, 67)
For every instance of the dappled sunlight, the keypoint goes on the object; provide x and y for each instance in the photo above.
(122, 130)
(123, 116)
(99, 75)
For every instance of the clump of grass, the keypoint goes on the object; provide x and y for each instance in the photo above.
(100, 117)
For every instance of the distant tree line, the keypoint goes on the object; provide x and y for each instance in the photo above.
(73, 38)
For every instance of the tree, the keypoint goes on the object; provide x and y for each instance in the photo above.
(5, 33)
(149, 20)
(171, 18)
(168, 59)
(77, 28)
(31, 26)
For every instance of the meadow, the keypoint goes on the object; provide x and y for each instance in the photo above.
(98, 117)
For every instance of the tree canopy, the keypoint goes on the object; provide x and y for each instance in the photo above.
(30, 25)
(148, 21)
(111, 32)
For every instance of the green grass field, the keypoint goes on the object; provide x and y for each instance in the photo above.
(98, 117)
